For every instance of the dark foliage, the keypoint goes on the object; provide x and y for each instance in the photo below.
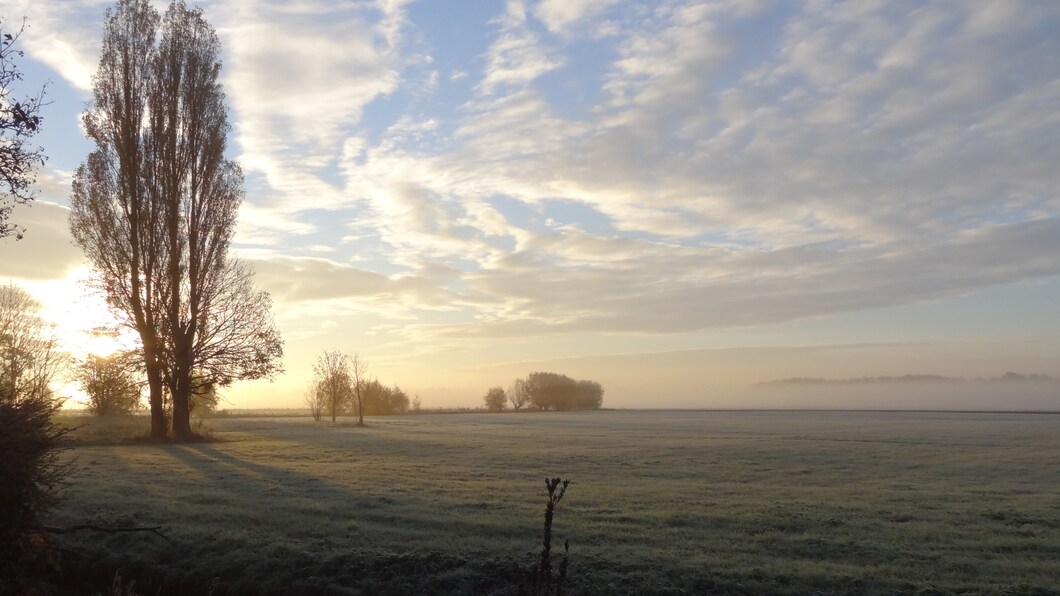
(32, 476)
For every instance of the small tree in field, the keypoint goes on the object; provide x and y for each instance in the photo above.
(380, 400)
(358, 371)
(314, 399)
(331, 381)
(495, 399)
(590, 396)
(518, 394)
(111, 383)
(551, 391)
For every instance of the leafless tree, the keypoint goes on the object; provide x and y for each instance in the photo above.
(110, 383)
(315, 400)
(236, 337)
(29, 358)
(155, 208)
(518, 394)
(359, 377)
(331, 380)
(113, 217)
(19, 120)
(199, 190)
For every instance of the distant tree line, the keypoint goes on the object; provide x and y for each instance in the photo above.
(1007, 377)
(546, 391)
(340, 386)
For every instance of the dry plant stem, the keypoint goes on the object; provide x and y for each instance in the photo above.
(542, 580)
(551, 484)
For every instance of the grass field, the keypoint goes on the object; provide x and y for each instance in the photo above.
(661, 502)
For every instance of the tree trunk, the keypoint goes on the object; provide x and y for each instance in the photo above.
(159, 428)
(159, 425)
(182, 389)
(181, 416)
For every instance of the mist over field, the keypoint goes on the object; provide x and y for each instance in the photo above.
(942, 394)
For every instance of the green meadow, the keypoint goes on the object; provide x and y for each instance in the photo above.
(661, 502)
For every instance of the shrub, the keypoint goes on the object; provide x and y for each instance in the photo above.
(495, 399)
(111, 383)
(32, 476)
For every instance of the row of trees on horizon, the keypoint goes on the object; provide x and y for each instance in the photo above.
(341, 386)
(545, 391)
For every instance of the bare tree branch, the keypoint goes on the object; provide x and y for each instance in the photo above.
(19, 120)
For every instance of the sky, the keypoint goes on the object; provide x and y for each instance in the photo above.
(676, 198)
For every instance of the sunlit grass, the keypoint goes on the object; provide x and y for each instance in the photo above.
(870, 503)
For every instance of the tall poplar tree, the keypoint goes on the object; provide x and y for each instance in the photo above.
(155, 207)
(113, 217)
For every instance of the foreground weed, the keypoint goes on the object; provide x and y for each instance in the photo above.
(540, 580)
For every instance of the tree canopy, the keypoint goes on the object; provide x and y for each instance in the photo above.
(547, 391)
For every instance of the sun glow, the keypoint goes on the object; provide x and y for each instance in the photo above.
(80, 317)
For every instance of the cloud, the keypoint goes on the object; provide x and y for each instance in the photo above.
(561, 15)
(299, 77)
(873, 157)
(47, 251)
(516, 56)
(573, 282)
(65, 36)
(702, 165)
(316, 280)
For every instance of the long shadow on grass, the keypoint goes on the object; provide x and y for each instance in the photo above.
(285, 497)
(261, 528)
(216, 464)
(281, 527)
